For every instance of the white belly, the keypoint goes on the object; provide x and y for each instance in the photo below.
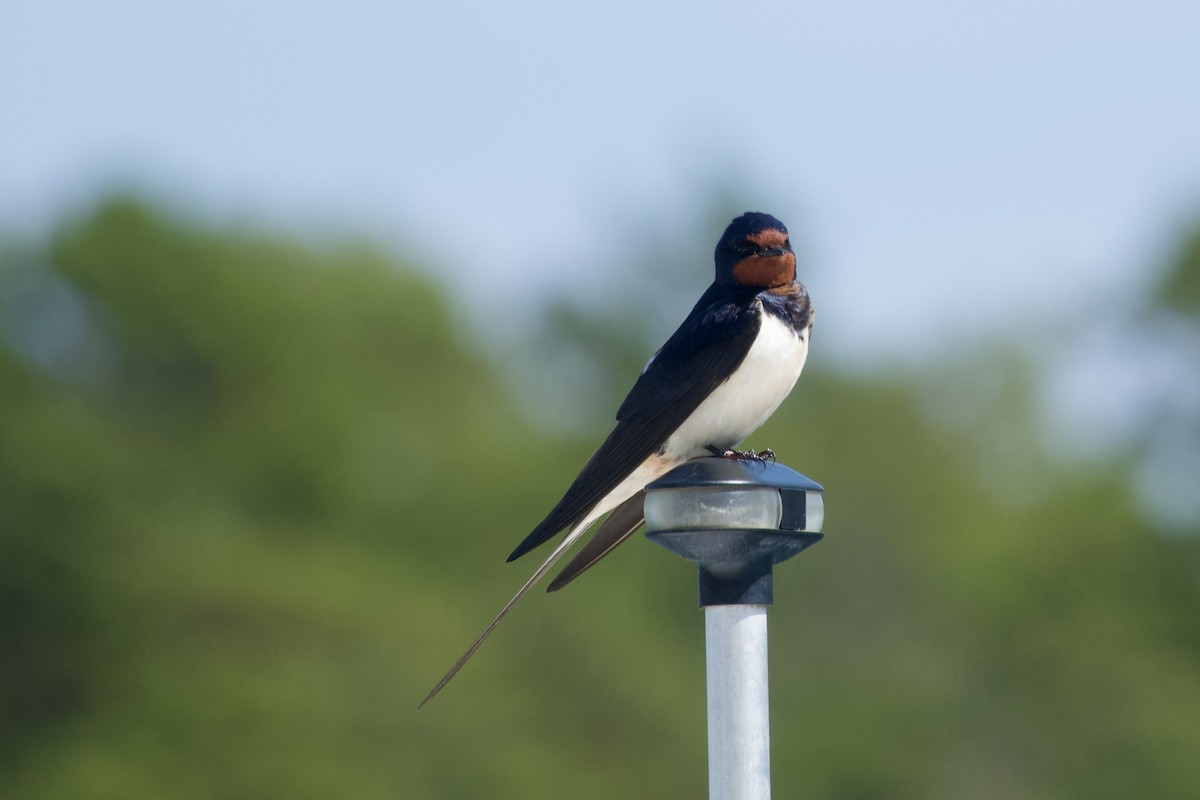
(741, 404)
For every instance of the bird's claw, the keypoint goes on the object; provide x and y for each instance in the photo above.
(761, 456)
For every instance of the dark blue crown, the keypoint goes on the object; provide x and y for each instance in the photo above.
(728, 250)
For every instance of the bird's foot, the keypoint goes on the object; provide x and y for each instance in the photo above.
(761, 456)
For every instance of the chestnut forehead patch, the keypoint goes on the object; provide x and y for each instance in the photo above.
(768, 238)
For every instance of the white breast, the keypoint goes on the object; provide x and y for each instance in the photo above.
(741, 404)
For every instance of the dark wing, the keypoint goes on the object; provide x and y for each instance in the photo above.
(623, 521)
(702, 354)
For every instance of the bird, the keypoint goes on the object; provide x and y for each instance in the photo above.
(716, 380)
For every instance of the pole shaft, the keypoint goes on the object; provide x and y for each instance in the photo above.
(739, 739)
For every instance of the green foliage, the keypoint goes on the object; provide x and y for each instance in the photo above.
(1180, 287)
(255, 497)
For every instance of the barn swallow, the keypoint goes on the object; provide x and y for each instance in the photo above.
(719, 377)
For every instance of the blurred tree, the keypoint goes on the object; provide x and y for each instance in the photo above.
(1179, 288)
(1168, 469)
(254, 498)
(205, 437)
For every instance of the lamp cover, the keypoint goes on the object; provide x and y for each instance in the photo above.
(735, 518)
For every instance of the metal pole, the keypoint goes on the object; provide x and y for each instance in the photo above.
(739, 732)
(736, 519)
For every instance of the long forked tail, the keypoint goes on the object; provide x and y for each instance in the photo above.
(562, 547)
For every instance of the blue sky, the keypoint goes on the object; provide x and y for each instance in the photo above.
(949, 165)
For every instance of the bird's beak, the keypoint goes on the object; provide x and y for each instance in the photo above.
(774, 251)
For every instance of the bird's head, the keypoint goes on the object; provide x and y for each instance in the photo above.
(755, 252)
